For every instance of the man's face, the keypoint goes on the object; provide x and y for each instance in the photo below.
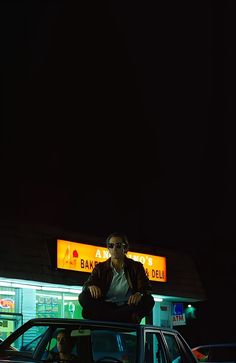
(63, 344)
(116, 247)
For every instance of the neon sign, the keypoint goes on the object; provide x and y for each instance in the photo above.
(84, 257)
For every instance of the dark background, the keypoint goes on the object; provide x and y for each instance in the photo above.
(120, 116)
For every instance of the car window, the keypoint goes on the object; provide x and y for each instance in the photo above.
(114, 344)
(179, 350)
(106, 342)
(86, 343)
(30, 339)
(27, 343)
(30, 346)
(174, 349)
(154, 348)
(130, 343)
(73, 345)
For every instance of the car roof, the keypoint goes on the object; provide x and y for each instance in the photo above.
(95, 322)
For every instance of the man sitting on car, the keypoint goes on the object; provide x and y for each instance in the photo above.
(117, 289)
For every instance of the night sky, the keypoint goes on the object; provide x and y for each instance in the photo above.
(120, 116)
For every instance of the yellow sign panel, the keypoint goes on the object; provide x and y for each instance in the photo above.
(82, 257)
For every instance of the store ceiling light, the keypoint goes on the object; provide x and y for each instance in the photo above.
(157, 298)
(5, 292)
(75, 291)
(24, 286)
(57, 289)
(6, 284)
(71, 298)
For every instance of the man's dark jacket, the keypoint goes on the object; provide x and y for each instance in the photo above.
(102, 275)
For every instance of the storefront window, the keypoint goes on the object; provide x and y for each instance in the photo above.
(7, 300)
(10, 318)
(48, 305)
(21, 300)
(57, 305)
(72, 308)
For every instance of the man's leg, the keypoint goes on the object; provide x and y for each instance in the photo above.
(135, 313)
(96, 309)
(145, 305)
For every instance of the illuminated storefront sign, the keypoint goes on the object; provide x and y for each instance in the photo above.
(82, 257)
(178, 316)
(7, 303)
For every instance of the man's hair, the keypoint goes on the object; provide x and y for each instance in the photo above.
(63, 330)
(122, 236)
(69, 339)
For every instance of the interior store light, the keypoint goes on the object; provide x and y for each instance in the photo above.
(57, 289)
(71, 298)
(24, 286)
(59, 297)
(6, 284)
(157, 298)
(5, 292)
(74, 290)
(61, 289)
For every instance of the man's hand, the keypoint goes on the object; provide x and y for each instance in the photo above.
(95, 291)
(135, 298)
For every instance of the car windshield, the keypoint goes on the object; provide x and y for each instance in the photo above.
(85, 344)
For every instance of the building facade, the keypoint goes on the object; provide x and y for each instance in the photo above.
(41, 275)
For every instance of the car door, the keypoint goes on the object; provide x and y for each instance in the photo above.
(178, 349)
(154, 349)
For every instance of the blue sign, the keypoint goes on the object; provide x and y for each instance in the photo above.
(178, 309)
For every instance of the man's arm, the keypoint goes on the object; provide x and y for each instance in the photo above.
(93, 279)
(143, 283)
